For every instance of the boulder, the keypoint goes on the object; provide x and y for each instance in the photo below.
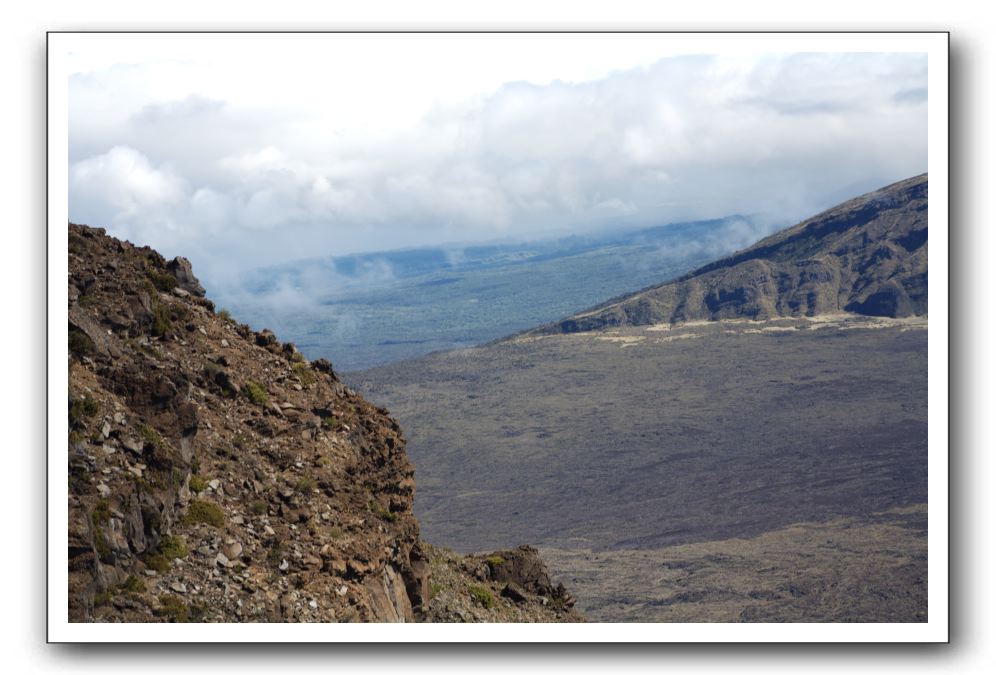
(182, 271)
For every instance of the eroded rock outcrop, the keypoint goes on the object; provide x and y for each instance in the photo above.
(217, 475)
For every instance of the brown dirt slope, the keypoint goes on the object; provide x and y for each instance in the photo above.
(867, 255)
(217, 475)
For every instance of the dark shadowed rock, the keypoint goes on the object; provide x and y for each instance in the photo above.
(265, 338)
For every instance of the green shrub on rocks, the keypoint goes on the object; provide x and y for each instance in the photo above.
(152, 437)
(157, 562)
(304, 373)
(306, 485)
(173, 547)
(256, 393)
(198, 484)
(81, 407)
(101, 546)
(163, 282)
(381, 512)
(173, 608)
(101, 512)
(482, 596)
(80, 344)
(204, 512)
(133, 584)
(100, 515)
(161, 322)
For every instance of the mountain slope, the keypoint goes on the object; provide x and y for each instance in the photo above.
(217, 475)
(867, 255)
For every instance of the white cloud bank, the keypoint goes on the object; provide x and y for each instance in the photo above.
(195, 158)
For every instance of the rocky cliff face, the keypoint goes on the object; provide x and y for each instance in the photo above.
(217, 475)
(868, 256)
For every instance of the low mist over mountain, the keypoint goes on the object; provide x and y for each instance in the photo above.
(868, 256)
(369, 309)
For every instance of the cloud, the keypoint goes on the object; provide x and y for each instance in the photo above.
(122, 187)
(234, 183)
(914, 96)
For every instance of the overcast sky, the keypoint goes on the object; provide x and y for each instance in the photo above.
(251, 149)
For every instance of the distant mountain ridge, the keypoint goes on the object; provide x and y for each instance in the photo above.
(370, 309)
(867, 256)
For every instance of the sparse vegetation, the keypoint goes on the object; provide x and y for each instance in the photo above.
(495, 561)
(161, 322)
(77, 244)
(100, 515)
(256, 393)
(173, 547)
(381, 512)
(204, 512)
(157, 562)
(102, 548)
(197, 611)
(133, 584)
(211, 370)
(82, 406)
(198, 484)
(80, 344)
(258, 507)
(276, 553)
(482, 595)
(306, 485)
(304, 373)
(101, 512)
(173, 608)
(225, 315)
(162, 281)
(151, 437)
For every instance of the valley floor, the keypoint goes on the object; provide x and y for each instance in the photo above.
(847, 570)
(701, 446)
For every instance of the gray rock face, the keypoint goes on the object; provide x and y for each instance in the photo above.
(181, 269)
(867, 255)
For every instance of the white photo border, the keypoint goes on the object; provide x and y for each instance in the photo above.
(936, 629)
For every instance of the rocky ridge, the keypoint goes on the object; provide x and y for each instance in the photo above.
(866, 256)
(217, 475)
